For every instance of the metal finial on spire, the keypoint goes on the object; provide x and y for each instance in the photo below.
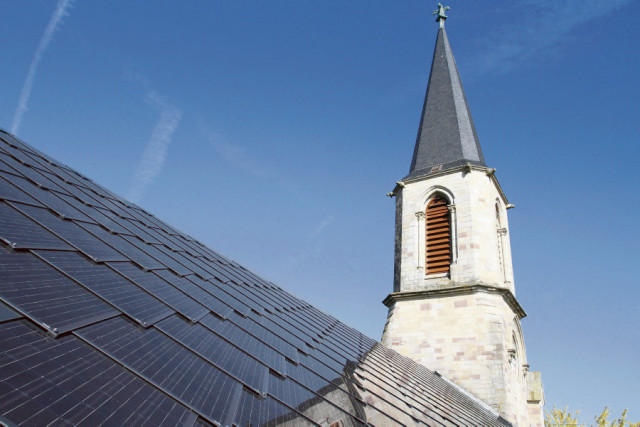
(441, 16)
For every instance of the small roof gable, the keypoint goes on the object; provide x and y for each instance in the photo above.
(447, 136)
(109, 315)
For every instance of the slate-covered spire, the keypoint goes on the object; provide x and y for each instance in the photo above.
(446, 135)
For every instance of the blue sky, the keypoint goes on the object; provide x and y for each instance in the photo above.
(271, 131)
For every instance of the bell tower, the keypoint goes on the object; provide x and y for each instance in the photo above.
(453, 307)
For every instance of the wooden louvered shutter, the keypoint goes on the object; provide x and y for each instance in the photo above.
(438, 236)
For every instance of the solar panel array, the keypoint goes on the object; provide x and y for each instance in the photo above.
(111, 316)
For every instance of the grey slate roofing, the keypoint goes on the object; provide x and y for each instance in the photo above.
(110, 316)
(447, 137)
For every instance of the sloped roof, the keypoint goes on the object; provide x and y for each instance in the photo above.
(109, 315)
(447, 137)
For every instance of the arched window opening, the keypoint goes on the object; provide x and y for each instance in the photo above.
(438, 236)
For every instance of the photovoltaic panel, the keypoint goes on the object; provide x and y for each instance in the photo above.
(20, 232)
(254, 410)
(161, 289)
(116, 208)
(25, 159)
(123, 246)
(72, 233)
(6, 313)
(165, 363)
(12, 193)
(65, 174)
(199, 294)
(292, 394)
(49, 199)
(94, 199)
(110, 286)
(217, 351)
(113, 218)
(71, 383)
(182, 260)
(268, 323)
(153, 251)
(226, 272)
(223, 292)
(49, 298)
(246, 342)
(96, 216)
(257, 330)
(304, 400)
(40, 178)
(24, 153)
(241, 293)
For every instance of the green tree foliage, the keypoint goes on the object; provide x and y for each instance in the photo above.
(603, 420)
(563, 417)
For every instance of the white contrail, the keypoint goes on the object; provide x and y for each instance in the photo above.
(58, 14)
(542, 25)
(156, 151)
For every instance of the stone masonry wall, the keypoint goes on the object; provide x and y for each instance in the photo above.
(473, 339)
(481, 254)
(467, 339)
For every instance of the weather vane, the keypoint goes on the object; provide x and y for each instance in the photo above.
(441, 16)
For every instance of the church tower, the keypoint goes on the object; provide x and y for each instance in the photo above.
(453, 307)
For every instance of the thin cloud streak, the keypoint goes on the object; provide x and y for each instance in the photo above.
(155, 153)
(237, 156)
(25, 93)
(546, 25)
(322, 225)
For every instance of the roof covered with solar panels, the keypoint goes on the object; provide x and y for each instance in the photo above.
(109, 315)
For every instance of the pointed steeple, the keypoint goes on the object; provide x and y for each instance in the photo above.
(447, 137)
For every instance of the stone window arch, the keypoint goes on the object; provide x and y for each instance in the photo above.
(438, 241)
(422, 205)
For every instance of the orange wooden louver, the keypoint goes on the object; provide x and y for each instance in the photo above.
(438, 236)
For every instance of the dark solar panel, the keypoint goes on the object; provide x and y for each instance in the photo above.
(73, 234)
(20, 232)
(39, 177)
(183, 260)
(246, 342)
(110, 286)
(71, 383)
(153, 251)
(166, 364)
(12, 193)
(162, 290)
(25, 154)
(6, 313)
(123, 246)
(52, 300)
(94, 214)
(217, 351)
(257, 330)
(52, 201)
(189, 286)
(255, 410)
(225, 293)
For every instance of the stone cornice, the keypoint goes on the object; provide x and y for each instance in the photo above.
(506, 294)
(490, 172)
